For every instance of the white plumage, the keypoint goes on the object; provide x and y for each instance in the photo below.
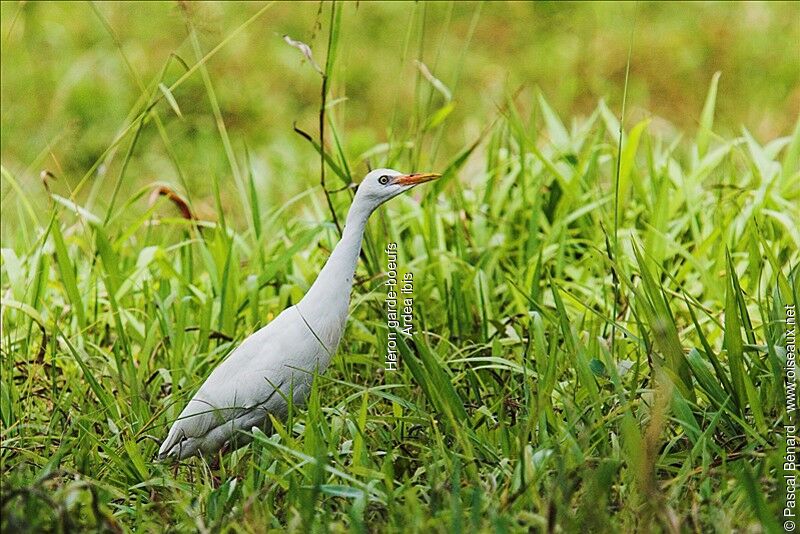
(257, 377)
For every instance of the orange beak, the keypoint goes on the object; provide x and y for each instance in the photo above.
(416, 178)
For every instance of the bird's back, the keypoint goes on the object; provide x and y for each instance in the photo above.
(283, 356)
(253, 381)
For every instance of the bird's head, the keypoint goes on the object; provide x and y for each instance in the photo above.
(381, 185)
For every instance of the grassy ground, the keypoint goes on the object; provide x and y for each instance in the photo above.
(599, 331)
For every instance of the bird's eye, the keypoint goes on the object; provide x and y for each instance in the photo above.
(383, 180)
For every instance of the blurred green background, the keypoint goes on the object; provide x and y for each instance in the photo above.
(150, 305)
(72, 72)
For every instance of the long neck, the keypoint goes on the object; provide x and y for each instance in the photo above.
(328, 298)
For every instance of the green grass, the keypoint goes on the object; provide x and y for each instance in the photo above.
(599, 331)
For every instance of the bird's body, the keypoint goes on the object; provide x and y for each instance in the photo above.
(280, 359)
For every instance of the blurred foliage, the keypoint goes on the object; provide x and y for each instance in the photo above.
(71, 73)
(600, 336)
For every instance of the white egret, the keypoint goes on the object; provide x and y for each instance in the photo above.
(280, 359)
